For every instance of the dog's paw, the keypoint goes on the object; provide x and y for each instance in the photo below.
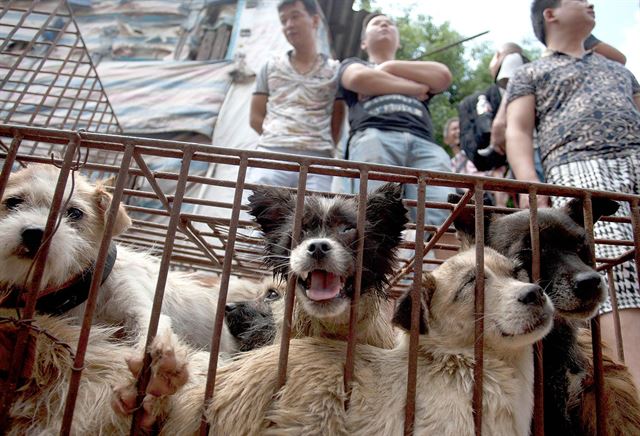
(123, 402)
(169, 369)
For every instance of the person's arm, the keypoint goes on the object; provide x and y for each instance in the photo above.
(499, 127)
(610, 52)
(433, 74)
(364, 80)
(519, 134)
(337, 120)
(258, 111)
(636, 98)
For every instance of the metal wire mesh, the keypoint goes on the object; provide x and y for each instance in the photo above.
(213, 234)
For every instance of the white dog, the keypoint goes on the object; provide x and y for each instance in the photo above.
(126, 294)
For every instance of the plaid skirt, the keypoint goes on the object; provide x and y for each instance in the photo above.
(620, 175)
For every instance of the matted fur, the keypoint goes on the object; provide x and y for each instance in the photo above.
(39, 406)
(331, 222)
(312, 400)
(40, 402)
(576, 291)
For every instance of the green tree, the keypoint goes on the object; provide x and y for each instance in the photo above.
(468, 61)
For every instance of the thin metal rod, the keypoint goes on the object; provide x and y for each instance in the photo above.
(616, 315)
(352, 338)
(92, 299)
(222, 296)
(416, 298)
(479, 312)
(9, 386)
(289, 302)
(598, 374)
(538, 354)
(145, 373)
(8, 162)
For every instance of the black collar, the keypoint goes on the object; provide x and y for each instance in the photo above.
(72, 294)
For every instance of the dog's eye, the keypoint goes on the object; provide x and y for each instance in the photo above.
(272, 295)
(74, 214)
(12, 203)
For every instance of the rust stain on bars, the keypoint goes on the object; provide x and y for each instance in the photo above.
(416, 291)
(616, 315)
(145, 372)
(479, 312)
(220, 248)
(353, 310)
(538, 372)
(87, 320)
(9, 385)
(291, 284)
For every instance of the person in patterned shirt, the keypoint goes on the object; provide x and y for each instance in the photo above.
(586, 109)
(294, 106)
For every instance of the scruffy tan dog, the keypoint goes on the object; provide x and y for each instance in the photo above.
(40, 401)
(126, 294)
(42, 394)
(312, 401)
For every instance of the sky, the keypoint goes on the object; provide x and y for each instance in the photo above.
(617, 21)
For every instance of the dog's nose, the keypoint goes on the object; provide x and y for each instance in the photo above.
(318, 249)
(532, 295)
(32, 238)
(230, 307)
(588, 285)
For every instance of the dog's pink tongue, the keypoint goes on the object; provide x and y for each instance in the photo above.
(324, 286)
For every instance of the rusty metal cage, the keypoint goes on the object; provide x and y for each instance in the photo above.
(219, 240)
(47, 77)
(53, 110)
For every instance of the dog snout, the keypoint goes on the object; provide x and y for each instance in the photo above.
(587, 285)
(32, 238)
(230, 307)
(532, 295)
(318, 248)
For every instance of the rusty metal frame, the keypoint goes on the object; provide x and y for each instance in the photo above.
(222, 244)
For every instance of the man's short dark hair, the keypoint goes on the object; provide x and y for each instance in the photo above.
(537, 17)
(310, 5)
(366, 20)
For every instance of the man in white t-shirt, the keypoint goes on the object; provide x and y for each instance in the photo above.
(294, 106)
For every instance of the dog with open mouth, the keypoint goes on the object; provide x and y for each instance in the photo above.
(576, 290)
(324, 260)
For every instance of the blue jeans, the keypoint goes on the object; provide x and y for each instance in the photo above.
(289, 179)
(406, 150)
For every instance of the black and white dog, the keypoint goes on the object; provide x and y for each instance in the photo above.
(324, 260)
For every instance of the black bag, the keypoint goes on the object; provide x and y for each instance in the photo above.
(475, 128)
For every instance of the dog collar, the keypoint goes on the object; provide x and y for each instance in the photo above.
(56, 301)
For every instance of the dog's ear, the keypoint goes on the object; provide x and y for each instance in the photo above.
(402, 315)
(103, 202)
(465, 222)
(270, 207)
(599, 206)
(386, 215)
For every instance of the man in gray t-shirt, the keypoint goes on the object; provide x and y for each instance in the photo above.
(294, 106)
